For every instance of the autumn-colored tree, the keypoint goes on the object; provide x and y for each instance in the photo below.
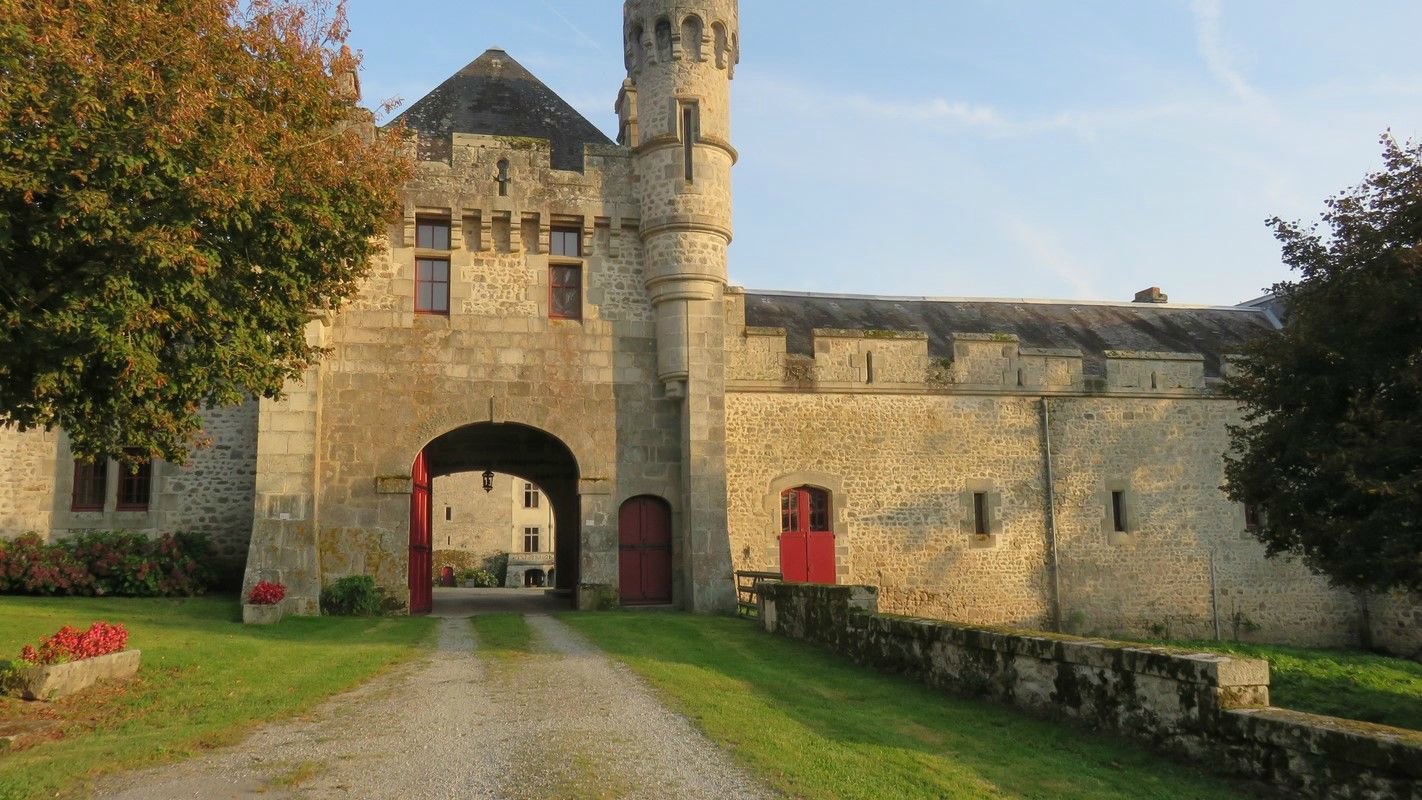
(184, 185)
(1332, 448)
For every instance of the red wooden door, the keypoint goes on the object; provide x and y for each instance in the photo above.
(806, 541)
(644, 551)
(421, 507)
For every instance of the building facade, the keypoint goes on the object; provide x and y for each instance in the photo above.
(555, 305)
(478, 517)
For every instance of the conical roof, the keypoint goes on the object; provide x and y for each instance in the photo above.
(497, 96)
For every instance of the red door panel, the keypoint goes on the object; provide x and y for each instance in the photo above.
(644, 551)
(819, 549)
(421, 507)
(806, 541)
(794, 557)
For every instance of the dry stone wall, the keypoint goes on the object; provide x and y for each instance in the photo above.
(1210, 708)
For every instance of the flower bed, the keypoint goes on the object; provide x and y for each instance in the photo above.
(70, 644)
(266, 594)
(72, 660)
(106, 563)
(264, 604)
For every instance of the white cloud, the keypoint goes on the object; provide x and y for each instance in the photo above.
(1044, 250)
(1210, 40)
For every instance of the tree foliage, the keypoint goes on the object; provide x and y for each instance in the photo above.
(184, 185)
(1331, 448)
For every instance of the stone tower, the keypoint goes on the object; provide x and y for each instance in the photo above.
(674, 112)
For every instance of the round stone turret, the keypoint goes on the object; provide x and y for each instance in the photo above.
(675, 115)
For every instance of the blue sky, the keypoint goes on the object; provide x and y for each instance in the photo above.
(1044, 149)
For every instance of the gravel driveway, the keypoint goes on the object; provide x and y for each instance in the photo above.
(565, 722)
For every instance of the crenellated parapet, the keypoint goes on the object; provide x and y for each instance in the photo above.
(662, 32)
(502, 198)
(893, 361)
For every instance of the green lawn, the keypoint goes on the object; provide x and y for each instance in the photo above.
(1339, 683)
(817, 726)
(206, 679)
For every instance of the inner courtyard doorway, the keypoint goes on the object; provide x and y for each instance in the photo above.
(518, 458)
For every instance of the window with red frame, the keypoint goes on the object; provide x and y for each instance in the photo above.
(565, 292)
(90, 481)
(135, 485)
(804, 510)
(565, 281)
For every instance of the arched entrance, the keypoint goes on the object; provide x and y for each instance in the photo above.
(510, 448)
(644, 555)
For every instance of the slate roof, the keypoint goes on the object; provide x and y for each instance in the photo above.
(497, 96)
(1092, 328)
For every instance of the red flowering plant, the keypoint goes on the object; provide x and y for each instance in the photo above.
(71, 644)
(266, 594)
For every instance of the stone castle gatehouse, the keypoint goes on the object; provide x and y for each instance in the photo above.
(555, 305)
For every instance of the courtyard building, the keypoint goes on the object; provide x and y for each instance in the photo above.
(554, 306)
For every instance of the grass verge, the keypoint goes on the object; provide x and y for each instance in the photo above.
(205, 680)
(816, 726)
(502, 636)
(1339, 683)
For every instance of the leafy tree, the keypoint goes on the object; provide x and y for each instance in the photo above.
(1331, 448)
(184, 185)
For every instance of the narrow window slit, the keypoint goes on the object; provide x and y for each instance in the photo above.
(980, 520)
(688, 139)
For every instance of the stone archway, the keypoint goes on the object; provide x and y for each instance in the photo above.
(514, 449)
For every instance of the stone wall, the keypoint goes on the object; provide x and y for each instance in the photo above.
(211, 494)
(902, 469)
(27, 468)
(905, 441)
(1209, 708)
(1397, 624)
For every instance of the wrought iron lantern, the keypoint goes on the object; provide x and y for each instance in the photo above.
(488, 480)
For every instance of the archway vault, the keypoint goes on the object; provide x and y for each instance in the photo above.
(528, 453)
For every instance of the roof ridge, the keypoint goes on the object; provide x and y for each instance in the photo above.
(1019, 300)
(496, 95)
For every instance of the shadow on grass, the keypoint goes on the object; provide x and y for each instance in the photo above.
(818, 726)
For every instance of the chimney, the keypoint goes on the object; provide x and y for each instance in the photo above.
(1151, 295)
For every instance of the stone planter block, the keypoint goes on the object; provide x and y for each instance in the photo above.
(60, 680)
(253, 614)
